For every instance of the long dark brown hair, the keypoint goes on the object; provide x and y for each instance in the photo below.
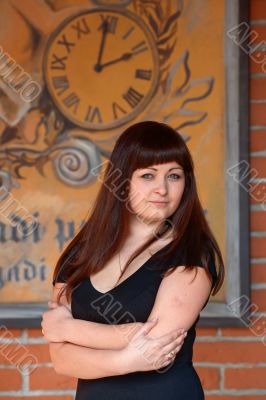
(141, 145)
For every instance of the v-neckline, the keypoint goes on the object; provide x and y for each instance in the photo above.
(130, 276)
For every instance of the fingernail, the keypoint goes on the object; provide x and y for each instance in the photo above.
(154, 319)
(185, 334)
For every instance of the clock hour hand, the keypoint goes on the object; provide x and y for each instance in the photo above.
(98, 66)
(124, 57)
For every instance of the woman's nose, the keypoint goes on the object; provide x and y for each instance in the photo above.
(161, 186)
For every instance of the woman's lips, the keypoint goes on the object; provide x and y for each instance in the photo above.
(159, 203)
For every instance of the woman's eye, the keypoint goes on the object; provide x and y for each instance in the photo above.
(176, 176)
(173, 176)
(143, 176)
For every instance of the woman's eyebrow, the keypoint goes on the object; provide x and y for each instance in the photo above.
(155, 169)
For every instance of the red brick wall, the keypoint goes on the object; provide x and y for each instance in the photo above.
(231, 362)
(234, 365)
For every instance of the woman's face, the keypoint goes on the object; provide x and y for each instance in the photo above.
(156, 191)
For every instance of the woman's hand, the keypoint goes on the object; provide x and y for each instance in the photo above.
(54, 322)
(145, 354)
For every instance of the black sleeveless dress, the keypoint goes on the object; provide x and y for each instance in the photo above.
(132, 300)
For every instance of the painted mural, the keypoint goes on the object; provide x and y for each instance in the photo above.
(73, 76)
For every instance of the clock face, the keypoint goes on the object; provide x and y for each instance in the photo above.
(101, 68)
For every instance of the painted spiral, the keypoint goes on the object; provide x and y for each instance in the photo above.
(75, 160)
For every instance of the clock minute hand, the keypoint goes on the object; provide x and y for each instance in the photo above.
(98, 66)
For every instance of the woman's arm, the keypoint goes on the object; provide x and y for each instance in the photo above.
(70, 359)
(100, 336)
(141, 354)
(180, 298)
(81, 362)
(59, 326)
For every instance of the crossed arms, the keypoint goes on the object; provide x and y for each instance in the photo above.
(90, 350)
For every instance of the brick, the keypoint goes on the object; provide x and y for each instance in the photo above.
(10, 379)
(258, 221)
(236, 332)
(12, 333)
(258, 88)
(245, 378)
(234, 397)
(255, 327)
(258, 273)
(260, 33)
(222, 352)
(45, 378)
(258, 247)
(210, 377)
(258, 297)
(17, 354)
(59, 397)
(257, 194)
(40, 351)
(257, 62)
(257, 114)
(206, 331)
(259, 163)
(258, 328)
(257, 9)
(258, 56)
(257, 140)
(35, 333)
(16, 332)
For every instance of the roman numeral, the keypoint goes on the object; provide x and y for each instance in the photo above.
(143, 74)
(72, 100)
(66, 43)
(93, 114)
(126, 35)
(60, 83)
(116, 107)
(81, 27)
(133, 97)
(111, 22)
(140, 47)
(58, 62)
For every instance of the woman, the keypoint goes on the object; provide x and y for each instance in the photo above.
(145, 251)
